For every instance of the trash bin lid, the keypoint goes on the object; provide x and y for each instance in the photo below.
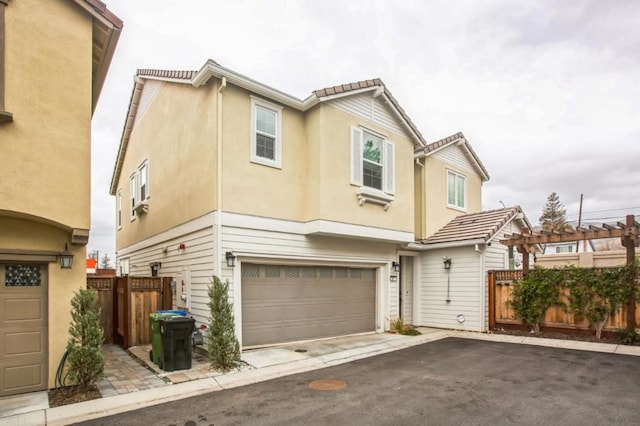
(173, 311)
(158, 315)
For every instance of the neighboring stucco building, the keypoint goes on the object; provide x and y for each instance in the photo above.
(310, 208)
(50, 81)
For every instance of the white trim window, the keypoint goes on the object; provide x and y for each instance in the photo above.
(143, 182)
(456, 191)
(132, 195)
(124, 267)
(266, 133)
(372, 161)
(119, 209)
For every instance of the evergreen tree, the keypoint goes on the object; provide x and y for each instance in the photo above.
(84, 347)
(105, 262)
(222, 344)
(554, 215)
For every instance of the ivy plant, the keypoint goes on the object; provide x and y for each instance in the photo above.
(535, 294)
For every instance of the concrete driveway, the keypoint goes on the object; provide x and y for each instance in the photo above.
(451, 381)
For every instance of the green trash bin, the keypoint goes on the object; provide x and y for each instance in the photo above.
(156, 340)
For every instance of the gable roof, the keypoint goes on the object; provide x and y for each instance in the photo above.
(213, 69)
(455, 139)
(106, 32)
(476, 228)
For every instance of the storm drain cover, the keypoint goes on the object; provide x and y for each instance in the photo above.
(300, 351)
(327, 384)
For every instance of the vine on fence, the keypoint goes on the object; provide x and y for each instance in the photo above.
(594, 294)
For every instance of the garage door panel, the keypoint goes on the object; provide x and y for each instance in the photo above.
(23, 328)
(289, 303)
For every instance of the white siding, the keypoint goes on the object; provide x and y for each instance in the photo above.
(149, 93)
(255, 245)
(197, 256)
(456, 157)
(464, 288)
(363, 105)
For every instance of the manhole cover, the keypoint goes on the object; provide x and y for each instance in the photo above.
(300, 350)
(327, 384)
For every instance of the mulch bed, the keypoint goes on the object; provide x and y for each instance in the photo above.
(606, 338)
(72, 395)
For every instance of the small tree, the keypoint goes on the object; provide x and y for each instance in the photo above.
(554, 215)
(105, 262)
(222, 344)
(86, 362)
(535, 294)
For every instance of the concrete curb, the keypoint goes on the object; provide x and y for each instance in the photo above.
(121, 403)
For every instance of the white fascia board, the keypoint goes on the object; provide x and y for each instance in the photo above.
(316, 227)
(423, 154)
(171, 80)
(451, 244)
(402, 120)
(326, 227)
(211, 69)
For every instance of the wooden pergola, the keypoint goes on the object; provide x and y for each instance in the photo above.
(628, 232)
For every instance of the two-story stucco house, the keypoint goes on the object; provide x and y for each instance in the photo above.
(310, 208)
(54, 56)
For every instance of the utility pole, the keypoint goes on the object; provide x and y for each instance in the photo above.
(579, 222)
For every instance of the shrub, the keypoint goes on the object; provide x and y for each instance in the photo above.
(84, 348)
(534, 294)
(222, 344)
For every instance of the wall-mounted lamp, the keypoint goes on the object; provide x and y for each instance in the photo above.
(65, 258)
(231, 259)
(155, 267)
(447, 262)
(396, 266)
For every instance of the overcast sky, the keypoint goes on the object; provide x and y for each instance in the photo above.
(546, 92)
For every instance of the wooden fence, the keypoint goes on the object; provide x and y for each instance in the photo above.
(501, 315)
(125, 304)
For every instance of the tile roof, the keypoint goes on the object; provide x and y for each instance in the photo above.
(474, 226)
(365, 84)
(450, 140)
(173, 74)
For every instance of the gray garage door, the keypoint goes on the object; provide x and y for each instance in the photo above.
(23, 328)
(288, 303)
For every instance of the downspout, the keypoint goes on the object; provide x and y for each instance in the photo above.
(483, 306)
(218, 212)
(422, 208)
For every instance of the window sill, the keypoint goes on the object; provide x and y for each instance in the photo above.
(460, 209)
(266, 162)
(375, 196)
(5, 117)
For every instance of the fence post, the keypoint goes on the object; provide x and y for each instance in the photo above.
(628, 241)
(491, 282)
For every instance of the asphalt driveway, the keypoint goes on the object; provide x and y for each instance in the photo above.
(451, 381)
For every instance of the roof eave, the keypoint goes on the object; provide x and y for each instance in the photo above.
(446, 244)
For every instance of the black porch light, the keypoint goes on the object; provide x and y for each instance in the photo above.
(447, 262)
(231, 259)
(396, 266)
(65, 258)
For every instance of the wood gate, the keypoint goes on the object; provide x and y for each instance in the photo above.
(125, 305)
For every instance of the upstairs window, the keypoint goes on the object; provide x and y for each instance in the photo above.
(132, 195)
(143, 181)
(372, 161)
(456, 190)
(119, 209)
(266, 133)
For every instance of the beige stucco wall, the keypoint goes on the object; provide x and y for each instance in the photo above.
(22, 234)
(337, 197)
(437, 214)
(45, 163)
(177, 137)
(256, 189)
(599, 259)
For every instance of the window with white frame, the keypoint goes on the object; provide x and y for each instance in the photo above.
(119, 209)
(124, 267)
(564, 249)
(143, 181)
(456, 190)
(266, 133)
(372, 161)
(132, 195)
